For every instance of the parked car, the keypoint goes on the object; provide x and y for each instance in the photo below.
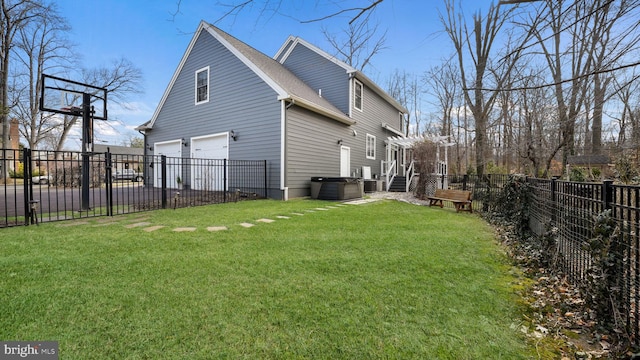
(127, 174)
(41, 180)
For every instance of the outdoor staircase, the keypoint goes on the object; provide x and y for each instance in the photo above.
(399, 184)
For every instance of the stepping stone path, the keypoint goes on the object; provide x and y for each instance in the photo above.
(184, 229)
(153, 228)
(140, 222)
(217, 228)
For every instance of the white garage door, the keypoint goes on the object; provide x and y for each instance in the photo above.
(173, 151)
(207, 168)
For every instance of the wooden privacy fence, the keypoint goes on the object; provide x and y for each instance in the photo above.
(44, 186)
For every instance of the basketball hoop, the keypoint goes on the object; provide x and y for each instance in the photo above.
(67, 97)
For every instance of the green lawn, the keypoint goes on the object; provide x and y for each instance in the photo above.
(379, 280)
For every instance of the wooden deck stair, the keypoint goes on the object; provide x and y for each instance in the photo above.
(399, 184)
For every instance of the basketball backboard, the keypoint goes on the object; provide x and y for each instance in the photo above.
(65, 97)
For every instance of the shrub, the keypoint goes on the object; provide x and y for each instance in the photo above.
(512, 203)
(626, 171)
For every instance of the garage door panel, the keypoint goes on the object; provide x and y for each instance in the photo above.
(173, 151)
(208, 154)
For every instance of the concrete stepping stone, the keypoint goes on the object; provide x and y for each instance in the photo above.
(217, 228)
(135, 225)
(268, 221)
(184, 229)
(153, 228)
(283, 217)
(247, 225)
(297, 214)
(322, 209)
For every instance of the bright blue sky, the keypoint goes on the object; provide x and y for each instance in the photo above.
(146, 33)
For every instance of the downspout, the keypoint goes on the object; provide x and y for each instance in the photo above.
(283, 117)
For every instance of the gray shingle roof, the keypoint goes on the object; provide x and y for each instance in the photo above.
(588, 160)
(289, 82)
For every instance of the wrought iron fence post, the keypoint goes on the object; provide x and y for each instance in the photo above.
(28, 189)
(465, 178)
(163, 181)
(265, 178)
(607, 194)
(554, 199)
(225, 186)
(108, 181)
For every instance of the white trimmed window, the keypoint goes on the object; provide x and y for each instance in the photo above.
(370, 148)
(358, 93)
(202, 86)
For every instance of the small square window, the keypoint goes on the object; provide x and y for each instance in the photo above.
(358, 92)
(370, 147)
(202, 85)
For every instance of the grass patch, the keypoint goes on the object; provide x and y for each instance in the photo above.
(381, 280)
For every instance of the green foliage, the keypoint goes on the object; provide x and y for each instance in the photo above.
(492, 168)
(578, 174)
(626, 171)
(512, 203)
(471, 170)
(18, 173)
(600, 285)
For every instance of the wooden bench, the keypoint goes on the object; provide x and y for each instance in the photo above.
(460, 198)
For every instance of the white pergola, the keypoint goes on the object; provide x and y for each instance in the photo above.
(440, 140)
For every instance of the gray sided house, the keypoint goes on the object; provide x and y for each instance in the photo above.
(304, 112)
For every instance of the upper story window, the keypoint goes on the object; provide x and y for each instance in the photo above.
(370, 147)
(202, 85)
(358, 92)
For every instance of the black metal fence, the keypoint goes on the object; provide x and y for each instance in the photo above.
(49, 185)
(568, 212)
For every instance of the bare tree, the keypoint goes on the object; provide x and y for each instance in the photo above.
(405, 88)
(540, 139)
(14, 14)
(608, 44)
(271, 7)
(121, 80)
(443, 82)
(41, 47)
(579, 48)
(629, 119)
(477, 46)
(358, 43)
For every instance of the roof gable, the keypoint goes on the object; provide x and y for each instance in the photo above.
(287, 48)
(281, 80)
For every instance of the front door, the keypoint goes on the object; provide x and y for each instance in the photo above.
(345, 161)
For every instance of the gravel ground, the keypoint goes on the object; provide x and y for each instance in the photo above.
(400, 196)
